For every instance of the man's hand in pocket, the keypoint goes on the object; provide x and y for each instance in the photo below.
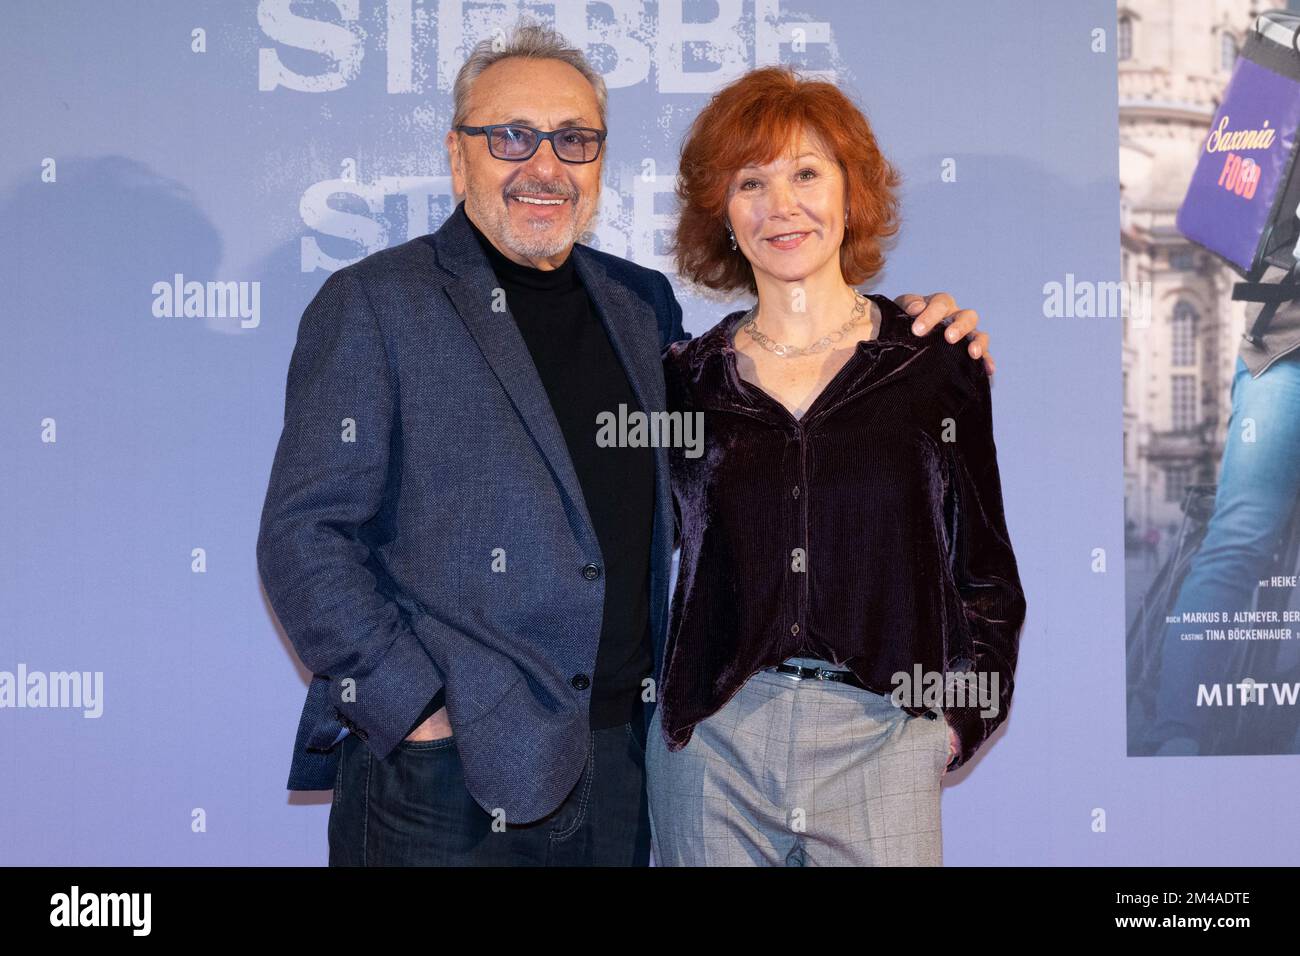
(434, 727)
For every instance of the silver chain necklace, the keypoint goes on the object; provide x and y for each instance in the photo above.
(821, 345)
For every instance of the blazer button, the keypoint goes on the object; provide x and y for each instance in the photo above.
(590, 572)
(580, 681)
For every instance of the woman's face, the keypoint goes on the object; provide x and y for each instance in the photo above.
(788, 216)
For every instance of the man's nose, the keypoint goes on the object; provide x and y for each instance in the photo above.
(544, 164)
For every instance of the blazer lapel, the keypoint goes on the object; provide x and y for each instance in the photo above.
(633, 330)
(503, 347)
(632, 327)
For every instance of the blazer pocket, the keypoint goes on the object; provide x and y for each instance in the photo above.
(483, 709)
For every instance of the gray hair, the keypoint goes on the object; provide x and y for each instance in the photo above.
(532, 41)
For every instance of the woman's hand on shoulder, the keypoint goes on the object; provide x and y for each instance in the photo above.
(930, 311)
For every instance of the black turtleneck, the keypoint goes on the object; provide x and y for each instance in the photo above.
(583, 377)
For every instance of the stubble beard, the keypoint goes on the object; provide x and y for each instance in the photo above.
(543, 241)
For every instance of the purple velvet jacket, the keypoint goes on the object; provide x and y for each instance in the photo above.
(868, 533)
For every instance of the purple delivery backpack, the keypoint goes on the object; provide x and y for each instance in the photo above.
(1242, 202)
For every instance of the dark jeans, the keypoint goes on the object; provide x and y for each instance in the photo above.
(412, 809)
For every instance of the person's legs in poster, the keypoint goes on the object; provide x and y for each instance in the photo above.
(1259, 483)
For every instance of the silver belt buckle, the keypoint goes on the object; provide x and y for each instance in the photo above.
(786, 674)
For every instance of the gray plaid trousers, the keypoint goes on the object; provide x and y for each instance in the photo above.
(799, 773)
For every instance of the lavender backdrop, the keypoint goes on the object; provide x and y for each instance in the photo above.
(269, 143)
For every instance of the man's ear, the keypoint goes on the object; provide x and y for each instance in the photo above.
(454, 161)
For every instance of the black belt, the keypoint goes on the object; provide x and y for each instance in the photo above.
(797, 672)
(818, 673)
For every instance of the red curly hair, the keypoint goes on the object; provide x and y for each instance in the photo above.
(752, 121)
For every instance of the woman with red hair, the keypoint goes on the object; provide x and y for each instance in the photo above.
(846, 617)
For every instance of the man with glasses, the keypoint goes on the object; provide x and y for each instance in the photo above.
(478, 586)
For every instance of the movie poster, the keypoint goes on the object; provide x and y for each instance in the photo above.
(1212, 395)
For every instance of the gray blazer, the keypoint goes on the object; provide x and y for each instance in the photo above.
(419, 449)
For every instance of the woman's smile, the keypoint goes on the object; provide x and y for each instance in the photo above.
(788, 240)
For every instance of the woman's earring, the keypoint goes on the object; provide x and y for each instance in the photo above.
(732, 236)
(846, 218)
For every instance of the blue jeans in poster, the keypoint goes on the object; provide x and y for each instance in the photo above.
(1259, 482)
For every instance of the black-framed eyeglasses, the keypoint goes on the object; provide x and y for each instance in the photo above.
(516, 143)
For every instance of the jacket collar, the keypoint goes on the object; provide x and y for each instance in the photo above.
(711, 363)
